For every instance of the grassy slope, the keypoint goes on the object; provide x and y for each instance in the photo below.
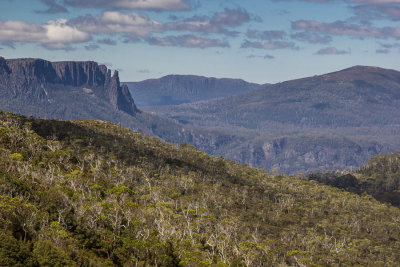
(91, 192)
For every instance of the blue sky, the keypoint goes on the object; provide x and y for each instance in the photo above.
(256, 40)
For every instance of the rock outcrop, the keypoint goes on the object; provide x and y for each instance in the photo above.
(33, 78)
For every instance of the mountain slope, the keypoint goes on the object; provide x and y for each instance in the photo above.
(358, 96)
(339, 115)
(87, 90)
(40, 81)
(288, 128)
(94, 193)
(178, 89)
(84, 90)
(379, 177)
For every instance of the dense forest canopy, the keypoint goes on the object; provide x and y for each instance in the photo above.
(80, 193)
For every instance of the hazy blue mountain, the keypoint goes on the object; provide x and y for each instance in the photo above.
(355, 97)
(329, 122)
(354, 113)
(178, 89)
(86, 90)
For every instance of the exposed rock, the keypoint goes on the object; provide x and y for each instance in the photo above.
(34, 78)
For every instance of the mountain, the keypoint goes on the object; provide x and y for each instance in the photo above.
(86, 90)
(355, 110)
(355, 97)
(92, 193)
(331, 122)
(74, 90)
(37, 80)
(178, 89)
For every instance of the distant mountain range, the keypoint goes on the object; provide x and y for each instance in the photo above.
(355, 97)
(330, 122)
(179, 89)
(74, 90)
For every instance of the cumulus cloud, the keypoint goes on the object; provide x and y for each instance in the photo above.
(112, 22)
(331, 51)
(312, 38)
(269, 45)
(132, 4)
(53, 34)
(20, 31)
(265, 35)
(343, 28)
(53, 7)
(59, 32)
(190, 41)
(218, 23)
(376, 11)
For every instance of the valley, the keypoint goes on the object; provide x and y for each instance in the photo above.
(332, 122)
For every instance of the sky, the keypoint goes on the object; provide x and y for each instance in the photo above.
(263, 41)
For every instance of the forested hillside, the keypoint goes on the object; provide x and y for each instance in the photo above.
(80, 193)
(379, 177)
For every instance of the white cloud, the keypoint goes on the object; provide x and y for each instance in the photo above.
(132, 4)
(20, 31)
(152, 4)
(218, 23)
(59, 32)
(110, 22)
(344, 28)
(331, 51)
(53, 34)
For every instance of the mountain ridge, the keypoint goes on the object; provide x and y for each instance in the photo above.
(33, 77)
(178, 89)
(316, 95)
(266, 127)
(358, 102)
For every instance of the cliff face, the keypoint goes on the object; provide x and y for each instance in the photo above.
(34, 78)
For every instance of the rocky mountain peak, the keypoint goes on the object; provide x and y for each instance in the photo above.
(33, 78)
